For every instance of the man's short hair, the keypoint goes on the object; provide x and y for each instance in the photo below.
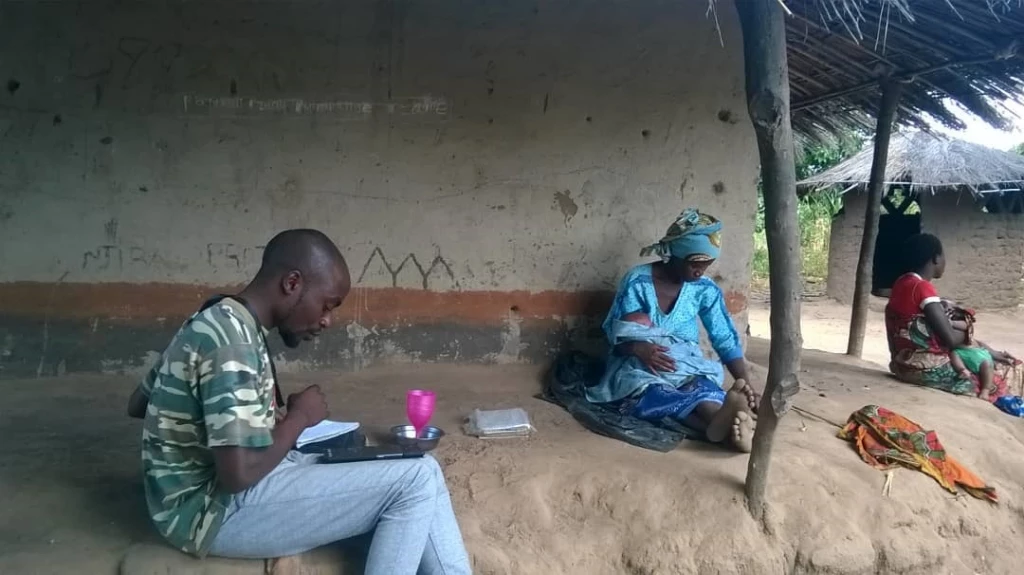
(307, 250)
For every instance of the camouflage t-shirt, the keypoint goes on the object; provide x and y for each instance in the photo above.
(213, 387)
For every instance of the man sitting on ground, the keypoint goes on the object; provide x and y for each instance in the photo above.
(221, 475)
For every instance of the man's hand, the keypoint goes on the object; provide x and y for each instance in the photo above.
(239, 468)
(654, 357)
(310, 404)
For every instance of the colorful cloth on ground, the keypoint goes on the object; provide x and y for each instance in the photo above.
(701, 300)
(885, 439)
(212, 387)
(694, 235)
(916, 355)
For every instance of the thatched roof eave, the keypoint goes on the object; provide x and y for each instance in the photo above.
(920, 187)
(924, 161)
(966, 52)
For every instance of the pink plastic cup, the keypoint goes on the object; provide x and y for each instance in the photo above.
(419, 408)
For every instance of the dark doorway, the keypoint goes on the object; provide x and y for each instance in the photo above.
(895, 226)
(1008, 202)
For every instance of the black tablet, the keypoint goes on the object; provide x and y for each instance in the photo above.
(374, 453)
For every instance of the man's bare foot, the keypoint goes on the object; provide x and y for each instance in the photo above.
(742, 436)
(720, 426)
(753, 398)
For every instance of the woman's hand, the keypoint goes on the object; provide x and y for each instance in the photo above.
(1003, 357)
(938, 323)
(654, 357)
(958, 325)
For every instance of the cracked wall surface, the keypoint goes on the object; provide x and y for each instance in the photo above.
(489, 170)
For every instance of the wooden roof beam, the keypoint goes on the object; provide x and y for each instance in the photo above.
(846, 40)
(907, 76)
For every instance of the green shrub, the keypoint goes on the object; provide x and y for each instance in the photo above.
(814, 212)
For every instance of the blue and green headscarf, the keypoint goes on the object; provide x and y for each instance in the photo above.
(694, 236)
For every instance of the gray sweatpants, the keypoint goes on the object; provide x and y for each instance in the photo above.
(301, 505)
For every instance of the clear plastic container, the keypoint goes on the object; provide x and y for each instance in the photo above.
(499, 423)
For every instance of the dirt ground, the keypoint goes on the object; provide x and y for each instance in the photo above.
(825, 327)
(567, 501)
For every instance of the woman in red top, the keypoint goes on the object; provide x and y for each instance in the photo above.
(921, 335)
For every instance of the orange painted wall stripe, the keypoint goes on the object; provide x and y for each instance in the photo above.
(143, 302)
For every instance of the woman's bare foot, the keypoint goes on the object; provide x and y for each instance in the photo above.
(753, 398)
(721, 424)
(742, 437)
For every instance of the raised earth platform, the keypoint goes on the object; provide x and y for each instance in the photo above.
(564, 501)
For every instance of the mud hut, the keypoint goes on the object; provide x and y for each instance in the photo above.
(967, 194)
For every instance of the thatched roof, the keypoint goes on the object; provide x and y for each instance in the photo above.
(929, 162)
(966, 51)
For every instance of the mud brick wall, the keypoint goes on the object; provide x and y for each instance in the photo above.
(984, 252)
(490, 168)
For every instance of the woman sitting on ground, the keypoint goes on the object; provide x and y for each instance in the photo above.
(923, 338)
(659, 374)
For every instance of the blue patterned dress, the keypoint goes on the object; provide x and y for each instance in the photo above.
(696, 379)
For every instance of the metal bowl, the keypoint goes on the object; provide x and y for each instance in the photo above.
(405, 436)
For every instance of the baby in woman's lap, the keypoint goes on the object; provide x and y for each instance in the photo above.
(688, 359)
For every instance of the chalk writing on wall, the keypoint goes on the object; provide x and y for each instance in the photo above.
(230, 255)
(113, 258)
(421, 106)
(425, 273)
(110, 257)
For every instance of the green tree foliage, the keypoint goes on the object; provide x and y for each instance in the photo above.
(815, 211)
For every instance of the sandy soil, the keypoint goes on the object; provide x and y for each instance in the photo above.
(826, 327)
(567, 501)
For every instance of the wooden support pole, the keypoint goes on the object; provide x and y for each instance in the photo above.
(767, 77)
(891, 91)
